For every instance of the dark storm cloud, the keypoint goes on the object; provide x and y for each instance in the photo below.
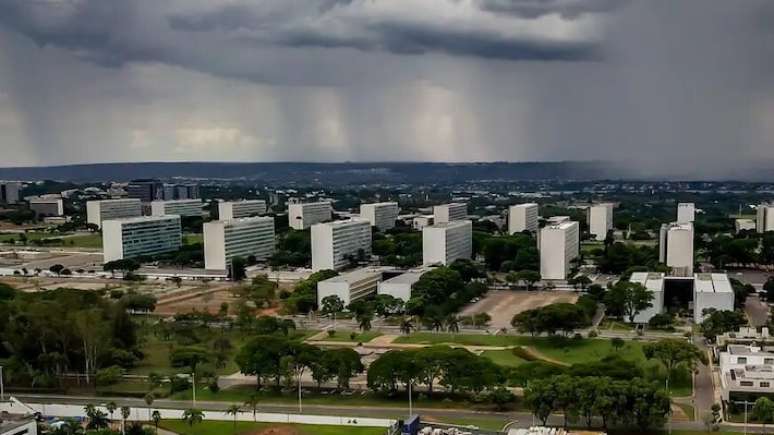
(536, 8)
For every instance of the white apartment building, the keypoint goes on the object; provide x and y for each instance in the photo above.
(240, 237)
(707, 290)
(420, 222)
(303, 216)
(744, 225)
(746, 373)
(108, 209)
(144, 235)
(445, 242)
(600, 217)
(400, 286)
(522, 217)
(676, 248)
(559, 246)
(765, 218)
(47, 206)
(180, 207)
(239, 209)
(686, 212)
(449, 212)
(9, 192)
(351, 286)
(382, 215)
(334, 244)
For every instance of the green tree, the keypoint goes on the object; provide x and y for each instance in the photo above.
(149, 398)
(617, 343)
(234, 411)
(673, 353)
(125, 413)
(252, 402)
(628, 299)
(406, 325)
(332, 305)
(193, 416)
(111, 408)
(763, 411)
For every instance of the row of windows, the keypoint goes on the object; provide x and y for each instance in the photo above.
(743, 360)
(752, 384)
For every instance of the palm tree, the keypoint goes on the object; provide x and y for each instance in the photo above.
(252, 402)
(437, 323)
(156, 416)
(125, 413)
(364, 322)
(234, 410)
(111, 407)
(149, 398)
(406, 325)
(453, 324)
(193, 416)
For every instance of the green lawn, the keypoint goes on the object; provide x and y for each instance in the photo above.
(359, 337)
(565, 350)
(243, 427)
(79, 241)
(505, 358)
(192, 238)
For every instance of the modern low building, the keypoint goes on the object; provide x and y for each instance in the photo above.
(764, 218)
(600, 218)
(335, 245)
(442, 243)
(744, 225)
(420, 222)
(400, 287)
(145, 190)
(676, 248)
(180, 207)
(382, 215)
(351, 286)
(559, 246)
(239, 209)
(47, 207)
(108, 209)
(9, 192)
(241, 237)
(303, 215)
(137, 236)
(696, 293)
(522, 217)
(449, 212)
(686, 212)
(746, 373)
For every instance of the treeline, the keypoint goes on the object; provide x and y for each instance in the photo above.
(550, 319)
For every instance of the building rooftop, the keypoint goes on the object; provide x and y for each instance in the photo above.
(406, 278)
(562, 225)
(452, 224)
(343, 223)
(557, 220)
(358, 275)
(712, 283)
(380, 203)
(137, 219)
(177, 201)
(678, 226)
(737, 349)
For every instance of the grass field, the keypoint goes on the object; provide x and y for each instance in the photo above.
(360, 337)
(78, 241)
(505, 358)
(244, 428)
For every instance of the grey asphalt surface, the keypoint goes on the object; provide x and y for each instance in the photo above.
(757, 311)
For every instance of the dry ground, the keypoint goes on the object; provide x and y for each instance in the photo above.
(502, 305)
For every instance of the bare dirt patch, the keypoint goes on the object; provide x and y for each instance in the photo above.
(502, 305)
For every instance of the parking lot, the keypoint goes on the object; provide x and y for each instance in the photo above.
(502, 305)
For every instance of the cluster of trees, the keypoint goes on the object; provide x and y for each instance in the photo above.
(52, 332)
(400, 247)
(617, 258)
(550, 319)
(444, 290)
(626, 299)
(294, 248)
(634, 402)
(510, 253)
(303, 299)
(719, 322)
(458, 370)
(745, 248)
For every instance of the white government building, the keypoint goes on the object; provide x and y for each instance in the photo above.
(744, 225)
(686, 212)
(351, 286)
(382, 215)
(449, 212)
(746, 373)
(180, 207)
(445, 242)
(559, 246)
(304, 215)
(676, 248)
(240, 237)
(705, 290)
(522, 217)
(107, 209)
(765, 218)
(43, 206)
(144, 235)
(600, 218)
(335, 243)
(9, 192)
(400, 286)
(239, 209)
(420, 222)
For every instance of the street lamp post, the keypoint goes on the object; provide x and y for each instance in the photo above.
(193, 375)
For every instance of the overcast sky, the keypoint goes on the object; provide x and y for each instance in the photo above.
(666, 83)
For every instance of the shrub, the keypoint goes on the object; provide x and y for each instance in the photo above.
(109, 376)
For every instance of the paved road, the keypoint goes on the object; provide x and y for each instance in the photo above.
(703, 387)
(757, 311)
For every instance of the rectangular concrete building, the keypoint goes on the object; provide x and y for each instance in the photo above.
(180, 207)
(108, 209)
(676, 248)
(449, 212)
(303, 216)
(522, 217)
(351, 286)
(137, 236)
(9, 192)
(702, 290)
(240, 237)
(764, 218)
(559, 246)
(744, 225)
(335, 244)
(400, 286)
(445, 242)
(382, 215)
(47, 207)
(686, 212)
(600, 218)
(240, 209)
(711, 290)
(420, 222)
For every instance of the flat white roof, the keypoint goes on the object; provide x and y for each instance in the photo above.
(131, 220)
(682, 226)
(712, 283)
(380, 203)
(561, 225)
(343, 223)
(405, 278)
(653, 281)
(358, 275)
(176, 201)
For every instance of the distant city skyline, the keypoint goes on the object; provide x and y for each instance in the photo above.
(665, 85)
